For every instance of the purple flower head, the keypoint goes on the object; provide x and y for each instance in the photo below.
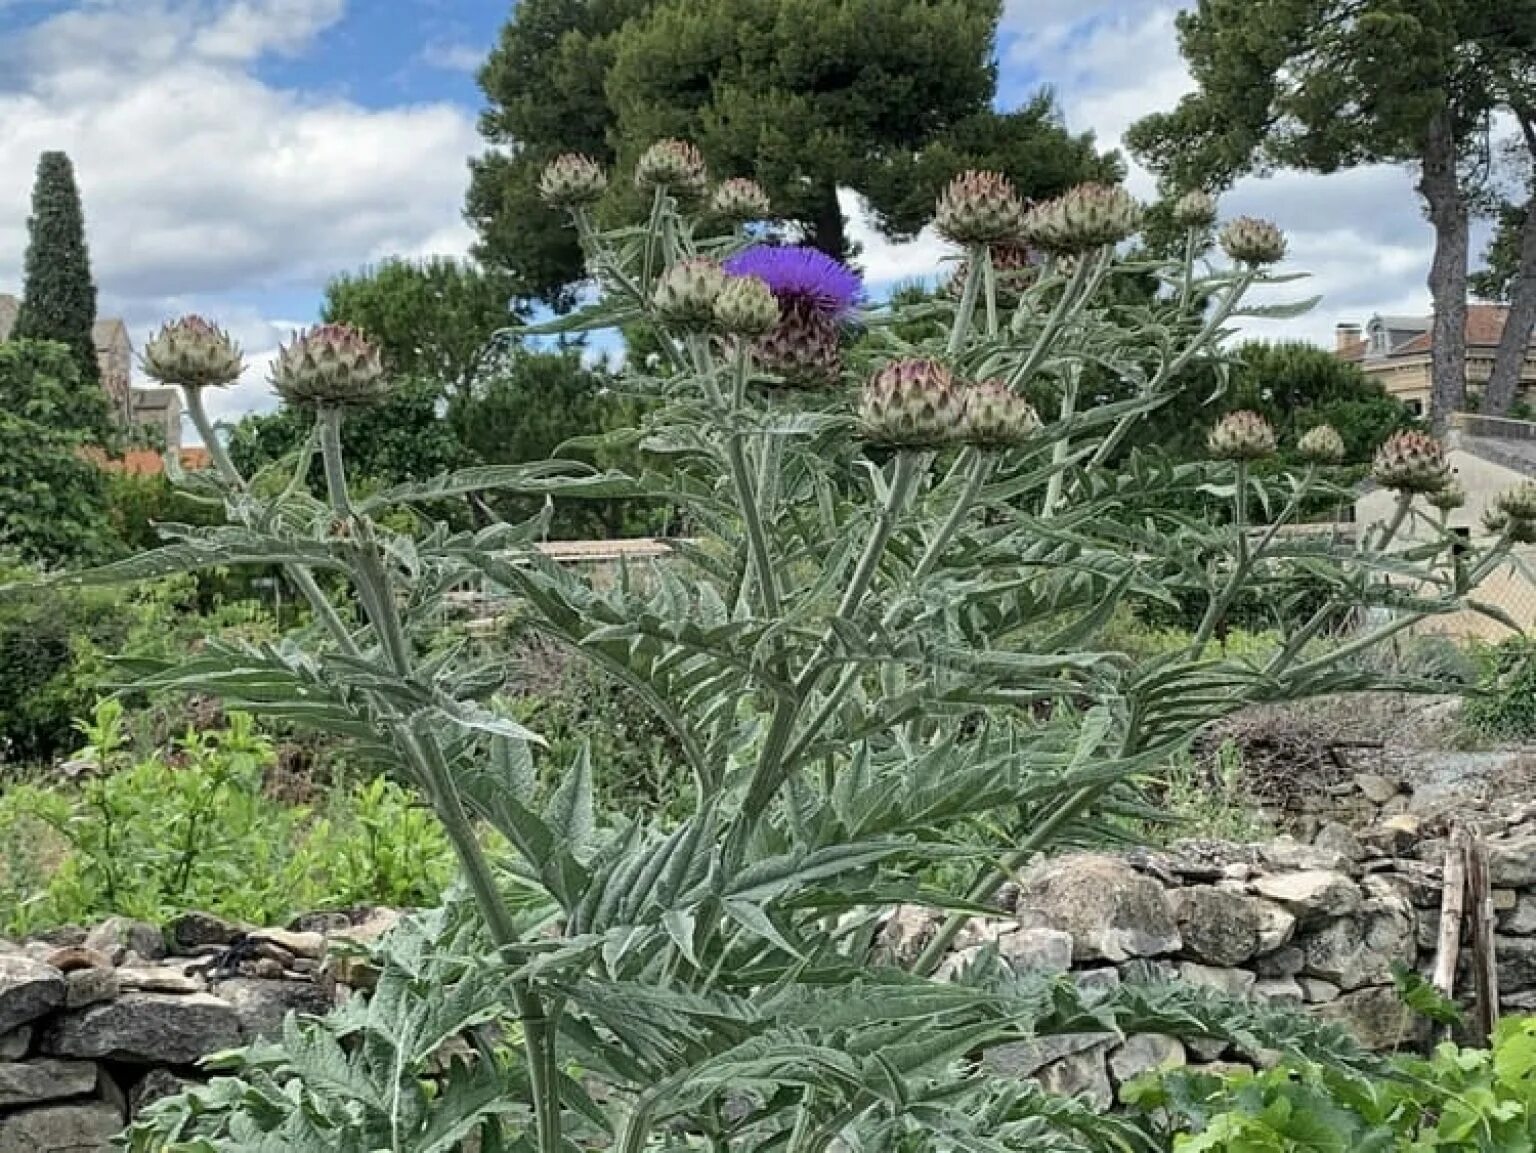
(802, 276)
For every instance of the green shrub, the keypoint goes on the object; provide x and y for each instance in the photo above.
(1503, 706)
(196, 829)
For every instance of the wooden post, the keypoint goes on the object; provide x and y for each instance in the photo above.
(1453, 893)
(1485, 972)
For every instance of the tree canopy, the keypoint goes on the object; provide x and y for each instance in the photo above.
(1328, 84)
(58, 296)
(887, 97)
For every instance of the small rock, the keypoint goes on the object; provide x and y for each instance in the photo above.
(1237, 871)
(37, 1081)
(1356, 951)
(905, 935)
(1504, 899)
(1396, 806)
(1512, 863)
(1286, 962)
(1206, 1049)
(28, 989)
(1146, 1053)
(1096, 980)
(1282, 990)
(1316, 991)
(1112, 912)
(1145, 972)
(1276, 926)
(264, 968)
(117, 936)
(1376, 788)
(1229, 982)
(1286, 854)
(1312, 895)
(62, 936)
(88, 986)
(1336, 838)
(161, 979)
(1217, 927)
(981, 931)
(1080, 1075)
(14, 1045)
(380, 921)
(325, 923)
(311, 945)
(156, 1085)
(1025, 1058)
(1515, 958)
(1378, 1018)
(1036, 950)
(146, 1029)
(260, 1006)
(196, 930)
(75, 957)
(88, 1127)
(1521, 920)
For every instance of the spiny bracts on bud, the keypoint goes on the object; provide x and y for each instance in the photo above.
(993, 415)
(979, 208)
(1321, 445)
(911, 404)
(740, 200)
(685, 294)
(746, 306)
(1500, 523)
(1448, 498)
(1410, 462)
(572, 181)
(1254, 242)
(805, 348)
(1195, 209)
(330, 366)
(1241, 435)
(193, 353)
(1082, 219)
(674, 165)
(1519, 503)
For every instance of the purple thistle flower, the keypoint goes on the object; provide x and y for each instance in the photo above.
(806, 277)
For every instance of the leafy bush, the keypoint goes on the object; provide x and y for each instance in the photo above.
(1477, 1100)
(886, 652)
(152, 837)
(1503, 703)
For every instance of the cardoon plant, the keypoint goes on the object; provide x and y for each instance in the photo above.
(882, 657)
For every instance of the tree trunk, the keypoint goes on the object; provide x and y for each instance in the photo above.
(1448, 273)
(828, 231)
(1515, 343)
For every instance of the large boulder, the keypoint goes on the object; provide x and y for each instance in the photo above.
(33, 1082)
(1112, 912)
(88, 1127)
(146, 1029)
(1218, 927)
(1311, 895)
(1362, 949)
(261, 1005)
(28, 989)
(117, 937)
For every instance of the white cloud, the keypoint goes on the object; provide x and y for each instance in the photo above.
(453, 57)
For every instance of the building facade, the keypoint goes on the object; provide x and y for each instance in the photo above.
(1395, 351)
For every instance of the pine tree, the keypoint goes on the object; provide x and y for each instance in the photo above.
(58, 296)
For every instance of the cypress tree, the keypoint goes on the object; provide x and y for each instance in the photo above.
(58, 296)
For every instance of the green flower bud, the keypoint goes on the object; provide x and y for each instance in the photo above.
(1321, 445)
(746, 306)
(1241, 435)
(674, 165)
(992, 414)
(193, 353)
(741, 201)
(1519, 502)
(1449, 498)
(685, 294)
(979, 208)
(1410, 462)
(911, 403)
(1195, 210)
(1087, 217)
(330, 366)
(572, 181)
(1253, 242)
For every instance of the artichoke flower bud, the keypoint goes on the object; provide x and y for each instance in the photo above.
(1321, 445)
(992, 414)
(685, 294)
(979, 208)
(1518, 503)
(1410, 462)
(1253, 242)
(193, 353)
(746, 306)
(1195, 210)
(741, 201)
(911, 404)
(805, 348)
(330, 366)
(1448, 498)
(1082, 219)
(1500, 523)
(673, 165)
(572, 181)
(1241, 435)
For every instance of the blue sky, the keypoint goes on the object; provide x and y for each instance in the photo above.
(235, 154)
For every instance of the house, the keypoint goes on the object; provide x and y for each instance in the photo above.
(1395, 351)
(157, 410)
(1488, 455)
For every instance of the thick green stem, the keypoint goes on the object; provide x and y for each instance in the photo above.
(1065, 308)
(1063, 448)
(973, 275)
(1217, 609)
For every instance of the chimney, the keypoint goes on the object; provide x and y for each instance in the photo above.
(1346, 335)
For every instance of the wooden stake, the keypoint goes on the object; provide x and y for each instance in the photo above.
(1485, 972)
(1453, 893)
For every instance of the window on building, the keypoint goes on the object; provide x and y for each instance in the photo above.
(1416, 407)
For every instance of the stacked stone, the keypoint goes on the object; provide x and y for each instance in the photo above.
(95, 1025)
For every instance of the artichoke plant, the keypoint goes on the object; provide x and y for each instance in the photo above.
(883, 660)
